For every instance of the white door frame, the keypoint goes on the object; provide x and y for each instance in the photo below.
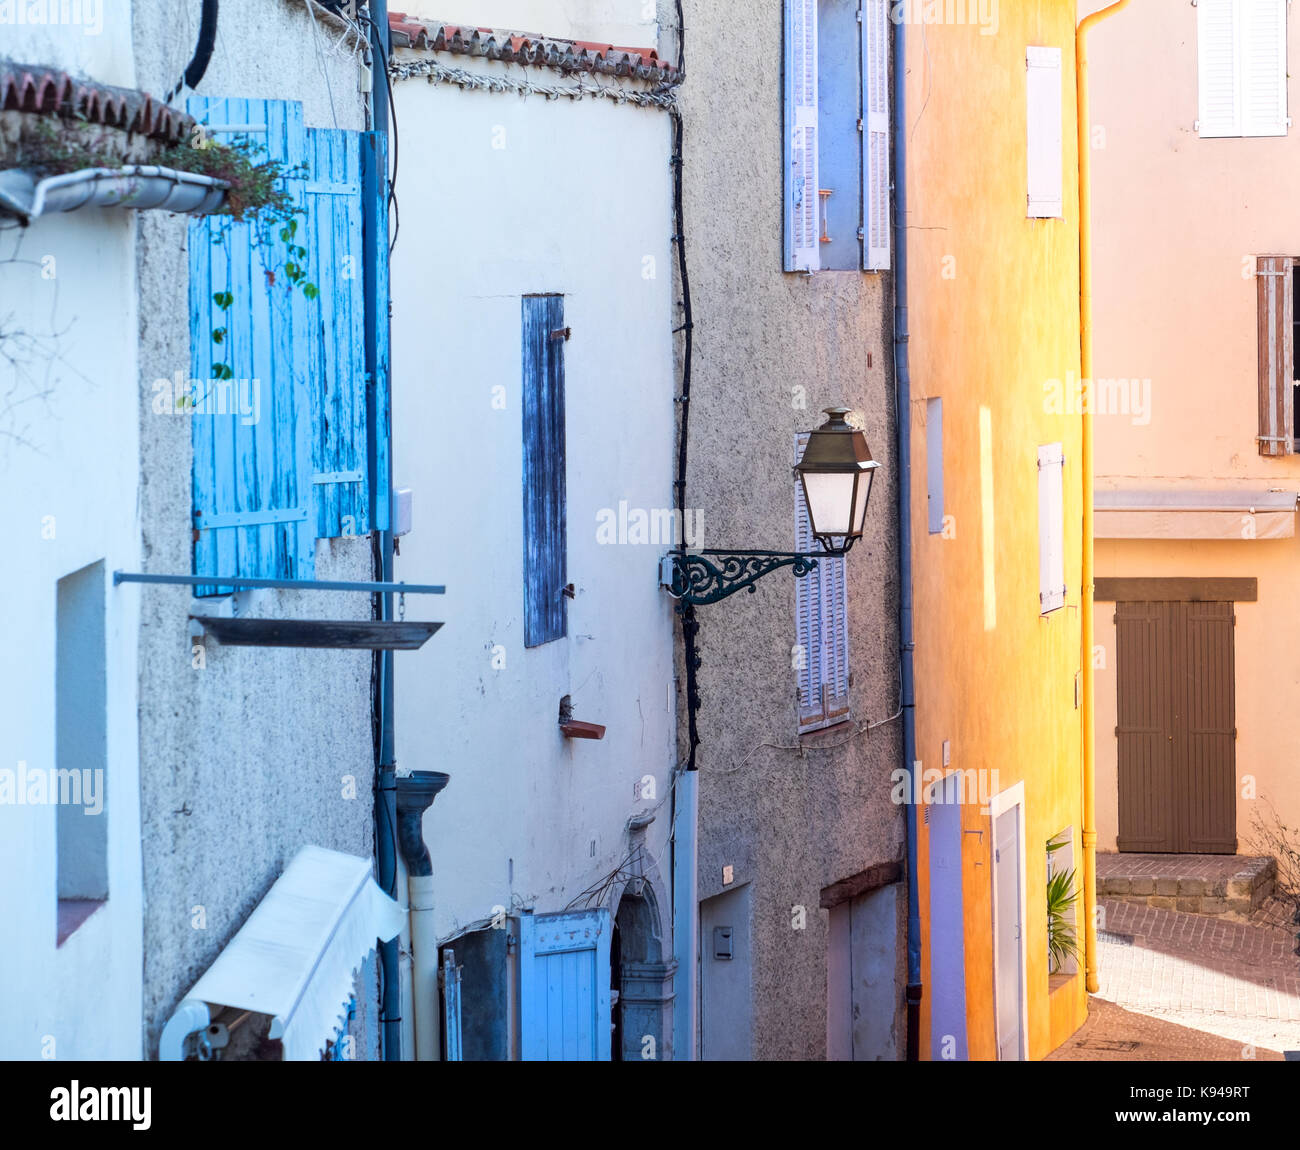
(1013, 796)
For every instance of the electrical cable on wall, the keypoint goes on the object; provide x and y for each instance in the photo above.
(203, 50)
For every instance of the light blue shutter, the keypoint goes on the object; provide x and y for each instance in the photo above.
(1051, 528)
(336, 335)
(564, 987)
(453, 1048)
(876, 28)
(374, 157)
(802, 179)
(251, 472)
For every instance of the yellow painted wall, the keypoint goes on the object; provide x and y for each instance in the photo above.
(994, 316)
(1178, 219)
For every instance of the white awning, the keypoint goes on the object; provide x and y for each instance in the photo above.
(296, 956)
(1244, 513)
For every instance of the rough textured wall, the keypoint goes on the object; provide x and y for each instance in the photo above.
(242, 762)
(790, 819)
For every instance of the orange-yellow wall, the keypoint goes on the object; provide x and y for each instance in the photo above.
(1178, 220)
(994, 315)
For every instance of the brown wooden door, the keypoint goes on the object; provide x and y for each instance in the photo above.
(1176, 727)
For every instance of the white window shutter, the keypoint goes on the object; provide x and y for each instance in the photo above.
(1263, 67)
(1051, 528)
(802, 181)
(821, 624)
(1046, 157)
(876, 28)
(1218, 35)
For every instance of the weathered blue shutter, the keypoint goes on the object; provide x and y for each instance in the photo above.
(876, 224)
(564, 987)
(252, 470)
(374, 174)
(453, 1049)
(802, 179)
(545, 535)
(336, 336)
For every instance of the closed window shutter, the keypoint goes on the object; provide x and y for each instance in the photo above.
(802, 180)
(1051, 528)
(336, 344)
(251, 469)
(1241, 68)
(821, 625)
(1046, 158)
(1276, 333)
(1263, 68)
(545, 534)
(564, 991)
(875, 116)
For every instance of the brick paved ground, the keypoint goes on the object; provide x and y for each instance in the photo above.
(1239, 981)
(1112, 1034)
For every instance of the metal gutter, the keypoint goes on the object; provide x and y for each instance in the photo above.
(1086, 608)
(136, 186)
(906, 644)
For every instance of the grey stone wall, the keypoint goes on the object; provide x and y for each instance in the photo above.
(789, 820)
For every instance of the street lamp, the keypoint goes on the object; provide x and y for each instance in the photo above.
(836, 471)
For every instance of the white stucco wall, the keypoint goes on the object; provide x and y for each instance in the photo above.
(626, 23)
(90, 38)
(574, 200)
(68, 469)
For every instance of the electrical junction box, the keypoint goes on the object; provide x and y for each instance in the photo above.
(722, 943)
(402, 511)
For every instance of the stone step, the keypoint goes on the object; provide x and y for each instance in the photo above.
(1228, 886)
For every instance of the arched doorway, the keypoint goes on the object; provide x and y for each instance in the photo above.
(641, 977)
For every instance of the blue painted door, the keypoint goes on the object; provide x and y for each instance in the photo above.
(453, 1049)
(564, 987)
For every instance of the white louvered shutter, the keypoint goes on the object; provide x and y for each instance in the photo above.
(1046, 157)
(1263, 68)
(875, 128)
(802, 232)
(1051, 528)
(821, 625)
(1241, 68)
(1218, 28)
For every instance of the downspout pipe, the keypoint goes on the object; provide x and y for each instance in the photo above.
(386, 770)
(1086, 606)
(906, 645)
(415, 795)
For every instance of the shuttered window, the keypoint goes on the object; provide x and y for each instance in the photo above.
(837, 123)
(1051, 528)
(1046, 176)
(1241, 68)
(934, 463)
(1275, 289)
(821, 626)
(251, 421)
(564, 987)
(545, 534)
(280, 425)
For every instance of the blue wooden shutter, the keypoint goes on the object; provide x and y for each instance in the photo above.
(251, 474)
(564, 987)
(876, 29)
(453, 1049)
(374, 175)
(802, 179)
(336, 335)
(545, 536)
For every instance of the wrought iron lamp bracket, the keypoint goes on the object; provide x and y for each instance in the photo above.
(695, 578)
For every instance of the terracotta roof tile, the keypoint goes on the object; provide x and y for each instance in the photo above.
(51, 92)
(527, 48)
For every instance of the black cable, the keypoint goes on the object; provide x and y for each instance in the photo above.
(690, 625)
(203, 50)
(392, 115)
